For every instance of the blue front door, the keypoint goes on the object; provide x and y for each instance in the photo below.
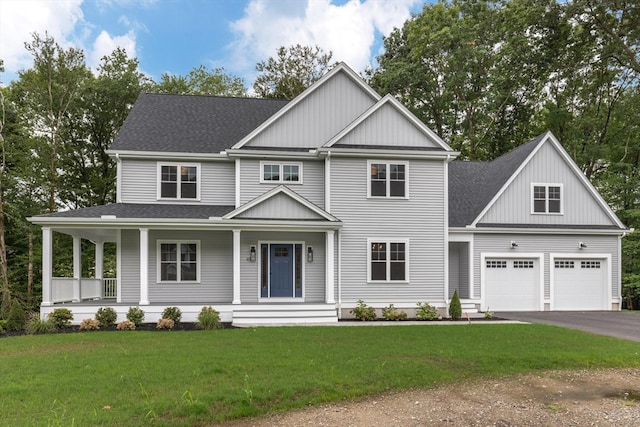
(281, 259)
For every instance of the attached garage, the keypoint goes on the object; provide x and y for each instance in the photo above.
(512, 284)
(580, 284)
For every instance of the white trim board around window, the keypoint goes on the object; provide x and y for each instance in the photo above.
(178, 261)
(280, 172)
(178, 181)
(387, 179)
(547, 198)
(389, 256)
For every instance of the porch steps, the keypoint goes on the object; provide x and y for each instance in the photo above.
(284, 314)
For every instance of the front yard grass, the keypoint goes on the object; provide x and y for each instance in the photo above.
(203, 377)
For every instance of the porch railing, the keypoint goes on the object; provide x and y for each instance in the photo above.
(110, 286)
(65, 289)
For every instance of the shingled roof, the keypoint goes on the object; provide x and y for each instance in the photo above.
(144, 210)
(191, 124)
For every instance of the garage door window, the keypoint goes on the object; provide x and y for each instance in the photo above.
(522, 264)
(496, 264)
(590, 264)
(564, 264)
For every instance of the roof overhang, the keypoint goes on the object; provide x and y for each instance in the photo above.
(540, 230)
(374, 153)
(161, 155)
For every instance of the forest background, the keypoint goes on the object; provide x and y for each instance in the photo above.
(486, 76)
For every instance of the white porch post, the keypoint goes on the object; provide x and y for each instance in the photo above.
(99, 264)
(144, 266)
(47, 265)
(77, 267)
(329, 267)
(236, 267)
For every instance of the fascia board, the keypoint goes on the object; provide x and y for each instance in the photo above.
(239, 153)
(547, 231)
(166, 155)
(372, 153)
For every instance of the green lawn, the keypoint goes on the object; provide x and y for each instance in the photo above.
(202, 377)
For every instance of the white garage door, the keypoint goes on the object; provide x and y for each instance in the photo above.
(580, 284)
(512, 284)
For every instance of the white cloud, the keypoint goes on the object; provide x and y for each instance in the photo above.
(104, 44)
(348, 30)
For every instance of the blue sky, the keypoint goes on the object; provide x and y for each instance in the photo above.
(174, 36)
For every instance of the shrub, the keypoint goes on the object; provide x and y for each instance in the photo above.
(172, 313)
(488, 314)
(392, 313)
(3, 324)
(363, 312)
(455, 308)
(106, 316)
(89, 325)
(126, 325)
(36, 325)
(61, 317)
(425, 311)
(208, 318)
(631, 291)
(17, 317)
(135, 315)
(165, 324)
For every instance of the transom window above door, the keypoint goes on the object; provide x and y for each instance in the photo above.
(272, 172)
(547, 198)
(387, 179)
(178, 181)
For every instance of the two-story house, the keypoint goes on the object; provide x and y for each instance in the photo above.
(281, 212)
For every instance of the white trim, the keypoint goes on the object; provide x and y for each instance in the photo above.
(388, 164)
(118, 179)
(575, 255)
(281, 166)
(546, 198)
(178, 243)
(236, 267)
(163, 155)
(77, 268)
(327, 182)
(178, 197)
(445, 208)
(47, 265)
(329, 267)
(237, 183)
(385, 153)
(119, 265)
(539, 256)
(303, 262)
(527, 230)
(144, 266)
(388, 241)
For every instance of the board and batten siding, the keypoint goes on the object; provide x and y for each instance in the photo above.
(547, 167)
(317, 117)
(546, 244)
(280, 206)
(420, 220)
(139, 182)
(313, 272)
(312, 187)
(130, 268)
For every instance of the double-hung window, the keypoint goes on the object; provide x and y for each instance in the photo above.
(178, 261)
(286, 173)
(388, 179)
(178, 181)
(388, 260)
(547, 198)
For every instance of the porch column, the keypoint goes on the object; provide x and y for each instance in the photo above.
(47, 265)
(144, 266)
(99, 264)
(236, 267)
(77, 267)
(329, 267)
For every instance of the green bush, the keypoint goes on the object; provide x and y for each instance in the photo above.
(455, 308)
(631, 291)
(135, 315)
(36, 325)
(392, 313)
(363, 312)
(208, 318)
(425, 311)
(3, 324)
(172, 313)
(61, 317)
(17, 317)
(106, 316)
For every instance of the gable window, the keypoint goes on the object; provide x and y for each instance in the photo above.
(388, 261)
(178, 181)
(281, 172)
(547, 198)
(387, 179)
(178, 261)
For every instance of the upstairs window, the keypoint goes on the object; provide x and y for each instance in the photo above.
(387, 261)
(547, 198)
(387, 179)
(178, 181)
(286, 173)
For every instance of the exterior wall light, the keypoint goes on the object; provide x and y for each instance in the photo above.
(309, 254)
(582, 245)
(513, 245)
(252, 254)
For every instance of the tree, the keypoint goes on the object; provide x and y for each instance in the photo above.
(5, 303)
(292, 71)
(201, 81)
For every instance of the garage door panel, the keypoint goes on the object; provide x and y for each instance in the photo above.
(512, 284)
(580, 284)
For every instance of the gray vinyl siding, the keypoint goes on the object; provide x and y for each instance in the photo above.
(318, 117)
(216, 268)
(387, 126)
(459, 269)
(130, 268)
(312, 187)
(313, 272)
(420, 220)
(546, 244)
(547, 167)
(139, 182)
(280, 206)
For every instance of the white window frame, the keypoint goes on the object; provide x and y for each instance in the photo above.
(388, 195)
(546, 201)
(178, 165)
(281, 166)
(388, 241)
(159, 244)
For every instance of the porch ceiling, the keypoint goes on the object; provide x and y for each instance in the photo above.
(93, 234)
